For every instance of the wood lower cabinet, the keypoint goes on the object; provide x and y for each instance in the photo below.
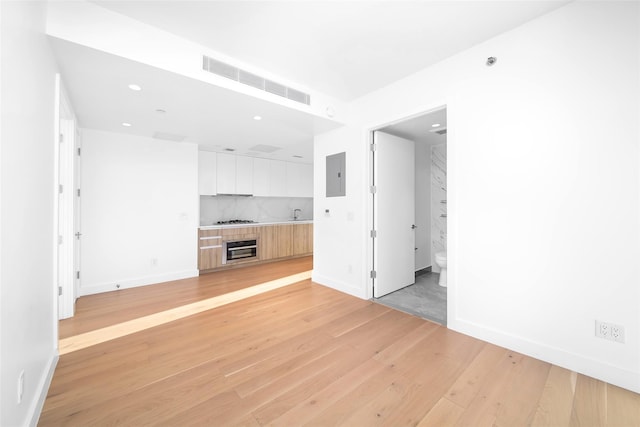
(274, 242)
(209, 249)
(302, 239)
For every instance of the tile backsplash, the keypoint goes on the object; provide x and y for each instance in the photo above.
(259, 209)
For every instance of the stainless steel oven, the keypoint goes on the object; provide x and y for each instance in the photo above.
(240, 250)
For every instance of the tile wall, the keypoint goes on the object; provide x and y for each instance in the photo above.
(438, 201)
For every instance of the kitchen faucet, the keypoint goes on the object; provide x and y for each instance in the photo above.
(296, 214)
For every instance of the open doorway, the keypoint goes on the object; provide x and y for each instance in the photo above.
(426, 295)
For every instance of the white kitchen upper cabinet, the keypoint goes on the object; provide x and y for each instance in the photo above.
(207, 179)
(278, 178)
(244, 175)
(234, 174)
(261, 177)
(299, 180)
(226, 174)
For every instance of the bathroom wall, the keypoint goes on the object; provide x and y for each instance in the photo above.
(423, 206)
(438, 201)
(259, 209)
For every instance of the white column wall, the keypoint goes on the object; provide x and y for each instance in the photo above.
(28, 305)
(139, 211)
(543, 185)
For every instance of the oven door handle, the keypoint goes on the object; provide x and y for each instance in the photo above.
(237, 248)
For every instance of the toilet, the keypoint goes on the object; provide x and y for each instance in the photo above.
(441, 261)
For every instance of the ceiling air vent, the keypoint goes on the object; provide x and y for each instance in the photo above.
(229, 71)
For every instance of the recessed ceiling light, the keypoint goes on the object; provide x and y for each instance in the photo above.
(125, 124)
(257, 118)
(135, 87)
(435, 125)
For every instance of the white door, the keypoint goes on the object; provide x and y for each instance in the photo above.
(394, 213)
(65, 137)
(77, 229)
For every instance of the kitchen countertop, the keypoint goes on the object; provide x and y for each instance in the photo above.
(254, 224)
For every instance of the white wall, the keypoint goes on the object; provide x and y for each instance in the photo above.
(140, 204)
(28, 326)
(423, 206)
(543, 186)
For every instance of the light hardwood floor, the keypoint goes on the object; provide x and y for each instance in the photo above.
(304, 354)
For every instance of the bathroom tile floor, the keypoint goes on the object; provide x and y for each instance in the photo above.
(425, 298)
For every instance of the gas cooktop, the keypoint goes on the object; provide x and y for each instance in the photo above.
(236, 221)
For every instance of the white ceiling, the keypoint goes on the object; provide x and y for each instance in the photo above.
(214, 117)
(341, 48)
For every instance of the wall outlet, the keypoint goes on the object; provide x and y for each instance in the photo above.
(610, 331)
(20, 386)
(617, 333)
(603, 330)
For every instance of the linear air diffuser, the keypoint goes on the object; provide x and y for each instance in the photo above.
(234, 73)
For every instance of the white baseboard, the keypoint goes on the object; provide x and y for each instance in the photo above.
(43, 389)
(338, 285)
(96, 288)
(575, 362)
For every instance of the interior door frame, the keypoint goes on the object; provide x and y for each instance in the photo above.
(64, 188)
(370, 205)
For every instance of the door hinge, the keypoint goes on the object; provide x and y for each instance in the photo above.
(373, 274)
(77, 274)
(60, 188)
(78, 192)
(78, 151)
(374, 234)
(59, 290)
(373, 147)
(59, 240)
(61, 138)
(373, 189)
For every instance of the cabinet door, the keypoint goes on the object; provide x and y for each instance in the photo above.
(302, 239)
(261, 177)
(244, 175)
(209, 249)
(278, 179)
(210, 258)
(207, 173)
(268, 242)
(299, 180)
(226, 173)
(284, 239)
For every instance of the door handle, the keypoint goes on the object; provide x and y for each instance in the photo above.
(413, 226)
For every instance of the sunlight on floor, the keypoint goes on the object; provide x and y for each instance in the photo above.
(78, 342)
